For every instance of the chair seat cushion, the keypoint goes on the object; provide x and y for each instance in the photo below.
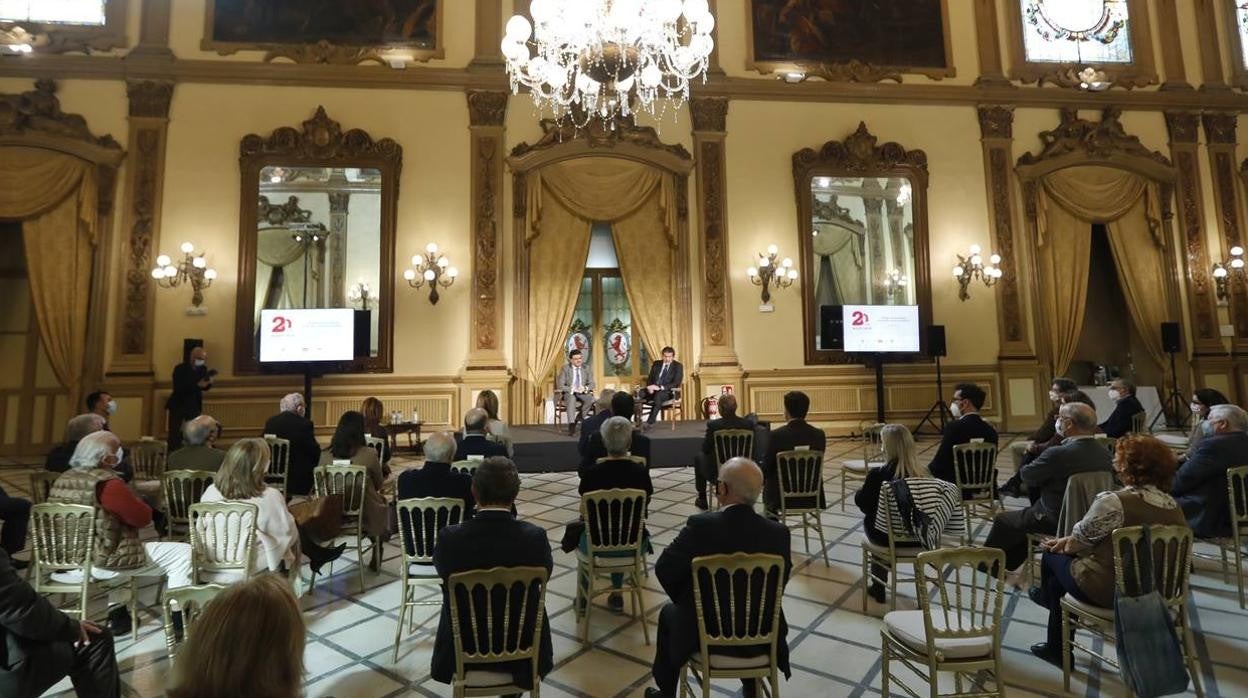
(727, 661)
(605, 561)
(855, 466)
(419, 570)
(484, 678)
(907, 628)
(1087, 609)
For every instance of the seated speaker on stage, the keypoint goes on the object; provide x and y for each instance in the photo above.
(622, 405)
(665, 376)
(1126, 406)
(576, 384)
(705, 467)
(476, 441)
(968, 400)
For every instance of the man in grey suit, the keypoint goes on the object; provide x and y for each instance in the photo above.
(1045, 478)
(576, 382)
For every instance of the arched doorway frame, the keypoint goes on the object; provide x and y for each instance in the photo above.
(621, 138)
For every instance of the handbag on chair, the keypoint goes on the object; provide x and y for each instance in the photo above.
(1149, 655)
(319, 517)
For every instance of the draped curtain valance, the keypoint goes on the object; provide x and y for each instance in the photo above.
(601, 189)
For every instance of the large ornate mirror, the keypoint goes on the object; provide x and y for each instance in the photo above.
(862, 218)
(317, 231)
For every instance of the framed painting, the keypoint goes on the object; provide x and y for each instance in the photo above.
(325, 31)
(850, 40)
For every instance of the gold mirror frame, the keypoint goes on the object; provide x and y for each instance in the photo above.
(860, 155)
(320, 142)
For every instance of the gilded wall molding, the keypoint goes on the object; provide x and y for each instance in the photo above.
(710, 117)
(709, 114)
(320, 137)
(1221, 141)
(487, 113)
(38, 113)
(599, 134)
(1099, 140)
(487, 108)
(1183, 129)
(996, 125)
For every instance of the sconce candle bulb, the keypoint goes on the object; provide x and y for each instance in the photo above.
(192, 268)
(971, 267)
(769, 274)
(1223, 270)
(435, 269)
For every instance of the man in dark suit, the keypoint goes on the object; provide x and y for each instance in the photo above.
(1046, 476)
(594, 422)
(293, 425)
(1126, 406)
(39, 645)
(968, 400)
(665, 376)
(191, 379)
(622, 405)
(705, 464)
(797, 433)
(436, 478)
(476, 441)
(733, 529)
(492, 538)
(1200, 486)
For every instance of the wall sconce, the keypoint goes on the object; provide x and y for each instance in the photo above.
(359, 294)
(972, 267)
(895, 283)
(1222, 272)
(769, 275)
(434, 268)
(193, 268)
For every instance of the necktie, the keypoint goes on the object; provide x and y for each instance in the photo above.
(576, 378)
(661, 372)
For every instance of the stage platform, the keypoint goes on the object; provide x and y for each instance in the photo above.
(543, 448)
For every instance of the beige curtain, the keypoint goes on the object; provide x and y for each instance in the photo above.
(646, 265)
(1070, 201)
(601, 189)
(557, 260)
(275, 248)
(54, 196)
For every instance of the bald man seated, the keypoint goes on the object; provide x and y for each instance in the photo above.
(476, 440)
(735, 528)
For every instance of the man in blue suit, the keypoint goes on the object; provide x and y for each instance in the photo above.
(1200, 485)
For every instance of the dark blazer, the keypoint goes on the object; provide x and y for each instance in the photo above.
(187, 397)
(1119, 422)
(959, 431)
(596, 450)
(589, 427)
(672, 378)
(1200, 486)
(787, 438)
(479, 445)
(490, 539)
(437, 480)
(305, 452)
(1049, 472)
(616, 474)
(736, 529)
(868, 500)
(1047, 429)
(708, 442)
(35, 638)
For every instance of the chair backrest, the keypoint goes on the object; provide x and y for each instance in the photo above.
(41, 484)
(801, 476)
(420, 520)
(190, 601)
(614, 520)
(640, 460)
(465, 466)
(894, 526)
(279, 461)
(378, 444)
(1237, 496)
(148, 458)
(958, 601)
(1137, 423)
(733, 443)
(873, 443)
(1081, 490)
(182, 489)
(1108, 442)
(223, 535)
(740, 596)
(64, 536)
(482, 601)
(1171, 557)
(974, 469)
(346, 480)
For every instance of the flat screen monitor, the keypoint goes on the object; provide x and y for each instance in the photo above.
(310, 334)
(880, 329)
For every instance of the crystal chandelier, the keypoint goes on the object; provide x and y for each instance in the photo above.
(585, 59)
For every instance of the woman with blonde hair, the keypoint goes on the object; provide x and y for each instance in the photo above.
(247, 642)
(934, 497)
(278, 540)
(498, 431)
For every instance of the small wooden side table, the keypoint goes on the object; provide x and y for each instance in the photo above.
(412, 429)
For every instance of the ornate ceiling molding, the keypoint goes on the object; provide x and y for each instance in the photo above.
(859, 153)
(321, 137)
(38, 112)
(282, 214)
(487, 107)
(857, 71)
(709, 113)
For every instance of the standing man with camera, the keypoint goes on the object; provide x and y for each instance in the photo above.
(190, 379)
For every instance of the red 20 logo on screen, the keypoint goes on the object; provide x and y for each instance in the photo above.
(859, 318)
(281, 324)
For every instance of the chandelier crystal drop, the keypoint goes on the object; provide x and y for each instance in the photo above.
(587, 59)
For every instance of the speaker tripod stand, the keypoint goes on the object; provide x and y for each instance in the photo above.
(938, 410)
(1174, 404)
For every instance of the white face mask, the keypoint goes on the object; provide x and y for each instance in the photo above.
(1053, 396)
(199, 362)
(1195, 407)
(1057, 425)
(112, 407)
(1115, 395)
(956, 409)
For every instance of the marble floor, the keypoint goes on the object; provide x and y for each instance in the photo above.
(835, 648)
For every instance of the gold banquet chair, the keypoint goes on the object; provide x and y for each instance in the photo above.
(1172, 561)
(148, 457)
(615, 523)
(468, 467)
(719, 583)
(279, 462)
(519, 593)
(957, 627)
(801, 483)
(348, 481)
(223, 537)
(190, 602)
(872, 452)
(975, 473)
(378, 444)
(420, 521)
(184, 488)
(729, 444)
(891, 554)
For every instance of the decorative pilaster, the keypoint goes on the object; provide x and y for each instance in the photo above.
(486, 112)
(149, 125)
(489, 36)
(1220, 139)
(1183, 128)
(873, 205)
(996, 129)
(1171, 48)
(339, 206)
(1210, 46)
(154, 30)
(710, 115)
(988, 37)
